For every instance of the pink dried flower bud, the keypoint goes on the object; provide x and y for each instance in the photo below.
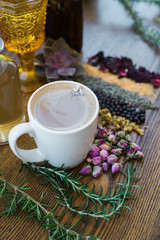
(99, 126)
(94, 151)
(105, 146)
(86, 170)
(131, 153)
(97, 160)
(104, 154)
(139, 155)
(112, 158)
(105, 167)
(121, 134)
(89, 159)
(98, 141)
(111, 138)
(97, 171)
(110, 128)
(116, 167)
(135, 146)
(117, 151)
(122, 144)
(102, 132)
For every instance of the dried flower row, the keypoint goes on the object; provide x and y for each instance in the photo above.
(120, 123)
(115, 91)
(143, 89)
(124, 67)
(107, 149)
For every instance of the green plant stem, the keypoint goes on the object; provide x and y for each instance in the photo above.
(117, 199)
(146, 34)
(49, 218)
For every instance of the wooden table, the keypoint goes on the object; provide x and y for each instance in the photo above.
(107, 27)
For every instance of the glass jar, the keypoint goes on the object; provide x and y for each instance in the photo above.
(11, 105)
(65, 19)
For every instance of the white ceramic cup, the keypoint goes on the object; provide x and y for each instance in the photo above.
(67, 148)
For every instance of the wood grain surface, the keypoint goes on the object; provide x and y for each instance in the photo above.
(107, 27)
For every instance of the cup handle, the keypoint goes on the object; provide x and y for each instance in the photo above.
(32, 155)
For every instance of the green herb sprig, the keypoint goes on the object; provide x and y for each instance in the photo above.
(146, 32)
(65, 184)
(16, 198)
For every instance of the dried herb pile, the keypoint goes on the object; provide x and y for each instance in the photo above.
(107, 149)
(120, 123)
(114, 91)
(143, 89)
(124, 67)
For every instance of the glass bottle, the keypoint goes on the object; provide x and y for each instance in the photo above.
(65, 19)
(11, 105)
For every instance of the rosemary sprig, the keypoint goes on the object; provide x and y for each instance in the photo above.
(16, 197)
(64, 183)
(147, 34)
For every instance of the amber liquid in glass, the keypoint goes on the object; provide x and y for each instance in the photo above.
(11, 106)
(23, 31)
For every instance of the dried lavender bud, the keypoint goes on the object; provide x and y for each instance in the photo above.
(122, 144)
(131, 153)
(97, 160)
(112, 158)
(105, 167)
(111, 138)
(104, 154)
(120, 134)
(139, 155)
(135, 146)
(117, 151)
(102, 132)
(116, 167)
(86, 170)
(98, 141)
(89, 159)
(128, 137)
(94, 151)
(106, 146)
(97, 171)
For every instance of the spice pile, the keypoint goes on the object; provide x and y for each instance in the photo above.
(120, 123)
(124, 67)
(143, 89)
(107, 149)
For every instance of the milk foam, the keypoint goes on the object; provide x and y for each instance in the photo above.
(57, 108)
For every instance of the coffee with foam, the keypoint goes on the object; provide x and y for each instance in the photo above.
(63, 106)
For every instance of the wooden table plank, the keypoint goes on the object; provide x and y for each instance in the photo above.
(107, 27)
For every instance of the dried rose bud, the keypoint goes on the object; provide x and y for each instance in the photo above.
(89, 159)
(131, 153)
(105, 146)
(111, 128)
(112, 158)
(86, 170)
(94, 151)
(102, 132)
(117, 151)
(128, 137)
(105, 166)
(97, 160)
(97, 171)
(111, 138)
(139, 155)
(135, 146)
(98, 141)
(104, 154)
(116, 167)
(121, 134)
(100, 126)
(122, 144)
